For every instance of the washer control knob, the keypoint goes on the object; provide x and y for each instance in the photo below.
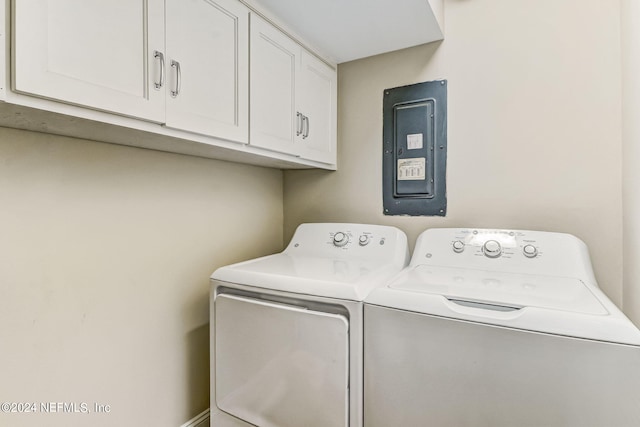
(458, 246)
(364, 240)
(492, 248)
(530, 251)
(340, 239)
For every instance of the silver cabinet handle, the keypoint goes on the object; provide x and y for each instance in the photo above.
(160, 56)
(176, 65)
(305, 121)
(299, 122)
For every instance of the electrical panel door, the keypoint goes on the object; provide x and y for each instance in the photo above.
(415, 149)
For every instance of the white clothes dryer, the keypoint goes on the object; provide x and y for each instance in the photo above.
(286, 329)
(499, 328)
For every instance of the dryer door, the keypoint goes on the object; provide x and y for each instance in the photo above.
(281, 366)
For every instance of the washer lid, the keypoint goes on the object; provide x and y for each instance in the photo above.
(556, 305)
(502, 289)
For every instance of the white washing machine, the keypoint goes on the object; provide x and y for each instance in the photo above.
(495, 328)
(286, 329)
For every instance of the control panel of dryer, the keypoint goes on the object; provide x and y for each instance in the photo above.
(341, 239)
(349, 241)
(529, 252)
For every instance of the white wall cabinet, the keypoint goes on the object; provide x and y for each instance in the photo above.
(186, 76)
(274, 66)
(208, 71)
(98, 54)
(111, 55)
(317, 101)
(293, 96)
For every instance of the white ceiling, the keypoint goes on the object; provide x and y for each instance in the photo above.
(353, 29)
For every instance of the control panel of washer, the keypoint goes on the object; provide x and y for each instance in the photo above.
(533, 252)
(495, 243)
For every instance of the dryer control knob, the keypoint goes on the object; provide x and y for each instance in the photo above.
(458, 246)
(364, 240)
(492, 248)
(530, 251)
(340, 239)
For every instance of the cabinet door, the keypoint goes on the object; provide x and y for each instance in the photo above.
(274, 64)
(94, 53)
(317, 99)
(209, 39)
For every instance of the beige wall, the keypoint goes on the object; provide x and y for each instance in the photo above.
(534, 127)
(105, 254)
(631, 155)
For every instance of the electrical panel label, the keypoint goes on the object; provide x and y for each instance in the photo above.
(414, 141)
(412, 169)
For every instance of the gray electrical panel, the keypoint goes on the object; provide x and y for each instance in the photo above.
(414, 158)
